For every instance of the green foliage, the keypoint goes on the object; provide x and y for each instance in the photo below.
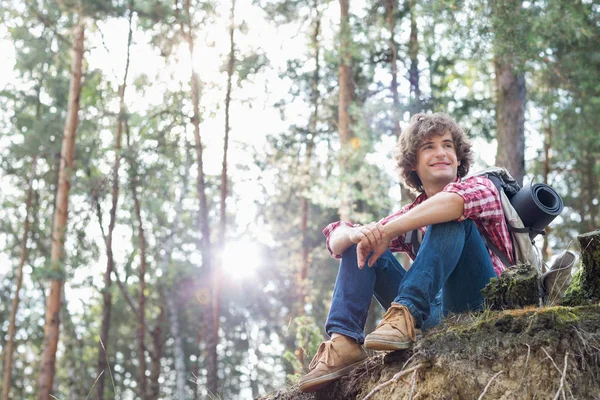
(308, 335)
(553, 42)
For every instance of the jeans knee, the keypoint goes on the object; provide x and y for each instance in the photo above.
(349, 252)
(453, 227)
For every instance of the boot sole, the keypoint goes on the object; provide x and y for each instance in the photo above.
(383, 345)
(319, 383)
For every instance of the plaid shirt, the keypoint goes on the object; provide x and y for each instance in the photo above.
(482, 205)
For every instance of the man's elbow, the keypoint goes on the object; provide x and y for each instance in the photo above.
(338, 248)
(457, 206)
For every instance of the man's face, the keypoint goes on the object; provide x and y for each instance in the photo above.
(436, 160)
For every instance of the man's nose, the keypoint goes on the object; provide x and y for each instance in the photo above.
(439, 152)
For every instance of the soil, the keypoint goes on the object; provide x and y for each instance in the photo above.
(517, 354)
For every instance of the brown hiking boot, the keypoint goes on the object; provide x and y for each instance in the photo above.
(335, 358)
(396, 331)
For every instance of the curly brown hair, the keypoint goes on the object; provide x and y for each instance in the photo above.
(420, 128)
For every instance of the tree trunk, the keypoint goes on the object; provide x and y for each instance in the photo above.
(390, 17)
(211, 345)
(510, 91)
(141, 330)
(216, 272)
(304, 202)
(592, 185)
(51, 329)
(345, 99)
(107, 293)
(196, 370)
(510, 118)
(178, 354)
(9, 346)
(413, 54)
(230, 65)
(157, 352)
(345, 75)
(546, 168)
(73, 355)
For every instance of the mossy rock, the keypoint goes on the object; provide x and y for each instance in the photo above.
(517, 287)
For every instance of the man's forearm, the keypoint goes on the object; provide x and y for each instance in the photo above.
(443, 207)
(339, 241)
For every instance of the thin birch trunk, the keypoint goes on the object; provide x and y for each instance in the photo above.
(12, 327)
(110, 263)
(51, 329)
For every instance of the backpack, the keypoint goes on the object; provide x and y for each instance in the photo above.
(524, 250)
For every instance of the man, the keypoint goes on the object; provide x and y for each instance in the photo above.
(432, 155)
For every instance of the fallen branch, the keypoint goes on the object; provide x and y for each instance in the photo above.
(394, 380)
(488, 385)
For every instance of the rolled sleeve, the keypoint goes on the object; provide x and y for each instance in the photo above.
(480, 197)
(329, 230)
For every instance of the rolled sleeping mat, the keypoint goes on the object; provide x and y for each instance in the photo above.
(537, 205)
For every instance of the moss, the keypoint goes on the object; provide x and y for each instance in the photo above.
(585, 286)
(590, 251)
(517, 287)
(530, 321)
(575, 295)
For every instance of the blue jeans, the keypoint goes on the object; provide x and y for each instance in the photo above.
(452, 267)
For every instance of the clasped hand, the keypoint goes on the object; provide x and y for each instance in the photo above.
(369, 238)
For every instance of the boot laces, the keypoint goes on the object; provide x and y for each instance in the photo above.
(395, 316)
(324, 354)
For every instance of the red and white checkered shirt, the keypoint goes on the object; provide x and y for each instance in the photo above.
(482, 205)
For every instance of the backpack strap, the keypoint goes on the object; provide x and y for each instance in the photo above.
(526, 230)
(412, 238)
(496, 181)
(490, 245)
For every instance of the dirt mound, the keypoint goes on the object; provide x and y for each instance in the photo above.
(513, 354)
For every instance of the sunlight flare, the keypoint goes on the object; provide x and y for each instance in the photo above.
(241, 259)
